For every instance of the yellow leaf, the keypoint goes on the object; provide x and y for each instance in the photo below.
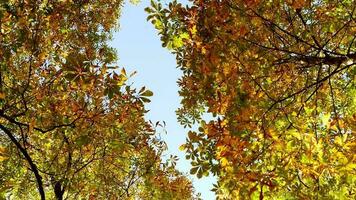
(2, 95)
(295, 133)
(229, 169)
(193, 30)
(344, 137)
(122, 79)
(2, 150)
(341, 158)
(325, 119)
(338, 140)
(123, 71)
(2, 158)
(224, 162)
(350, 167)
(182, 147)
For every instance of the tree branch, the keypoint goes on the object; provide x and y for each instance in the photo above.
(28, 159)
(337, 70)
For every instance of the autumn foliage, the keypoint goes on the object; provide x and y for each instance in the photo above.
(70, 126)
(278, 78)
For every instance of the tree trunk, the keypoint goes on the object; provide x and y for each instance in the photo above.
(58, 190)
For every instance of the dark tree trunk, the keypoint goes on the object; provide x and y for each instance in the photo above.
(58, 190)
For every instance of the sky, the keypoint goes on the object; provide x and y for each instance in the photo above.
(139, 49)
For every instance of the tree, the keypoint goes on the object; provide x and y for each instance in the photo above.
(70, 126)
(278, 78)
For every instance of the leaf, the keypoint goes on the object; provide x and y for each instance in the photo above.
(192, 135)
(325, 119)
(295, 133)
(194, 170)
(3, 158)
(2, 150)
(110, 93)
(135, 1)
(2, 95)
(147, 93)
(123, 72)
(146, 100)
(224, 162)
(31, 125)
(82, 140)
(121, 79)
(182, 147)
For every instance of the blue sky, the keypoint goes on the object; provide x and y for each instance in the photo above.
(140, 50)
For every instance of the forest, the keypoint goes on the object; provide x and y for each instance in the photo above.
(277, 77)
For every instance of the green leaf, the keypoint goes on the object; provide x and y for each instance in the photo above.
(200, 173)
(135, 2)
(194, 170)
(110, 93)
(146, 100)
(82, 140)
(147, 93)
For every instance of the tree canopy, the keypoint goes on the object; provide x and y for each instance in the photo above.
(70, 126)
(278, 77)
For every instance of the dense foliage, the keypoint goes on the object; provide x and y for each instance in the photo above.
(278, 77)
(70, 126)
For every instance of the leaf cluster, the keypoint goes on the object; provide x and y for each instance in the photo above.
(279, 79)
